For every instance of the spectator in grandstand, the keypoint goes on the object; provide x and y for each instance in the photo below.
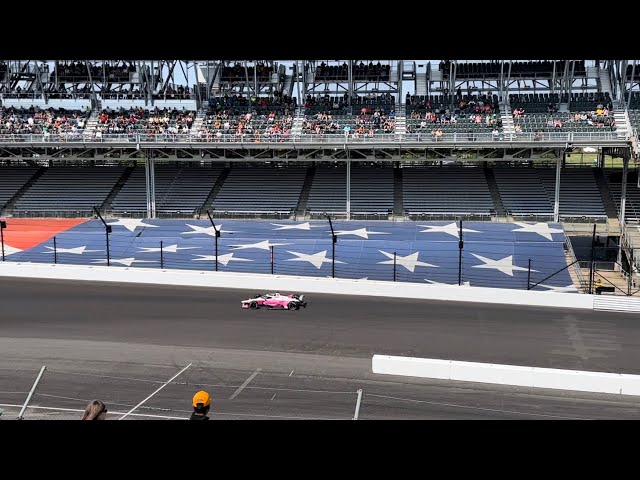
(96, 410)
(598, 285)
(201, 405)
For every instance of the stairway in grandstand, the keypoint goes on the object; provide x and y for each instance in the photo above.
(306, 188)
(578, 276)
(495, 193)
(92, 123)
(507, 119)
(401, 122)
(421, 83)
(208, 203)
(605, 193)
(623, 124)
(296, 128)
(106, 205)
(288, 85)
(197, 123)
(603, 79)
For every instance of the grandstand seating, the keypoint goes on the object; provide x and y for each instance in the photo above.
(179, 189)
(446, 190)
(450, 114)
(141, 121)
(588, 113)
(46, 122)
(522, 191)
(531, 191)
(261, 188)
(12, 180)
(189, 189)
(632, 207)
(371, 189)
(493, 69)
(634, 118)
(329, 190)
(69, 189)
(579, 194)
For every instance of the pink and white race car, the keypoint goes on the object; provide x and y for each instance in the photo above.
(275, 300)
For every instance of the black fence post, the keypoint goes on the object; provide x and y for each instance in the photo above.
(591, 269)
(161, 256)
(107, 229)
(334, 240)
(394, 265)
(217, 236)
(460, 247)
(3, 225)
(55, 251)
(272, 254)
(629, 277)
(529, 276)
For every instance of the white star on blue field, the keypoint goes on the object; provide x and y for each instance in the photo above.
(494, 254)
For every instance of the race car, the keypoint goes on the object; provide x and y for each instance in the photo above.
(275, 300)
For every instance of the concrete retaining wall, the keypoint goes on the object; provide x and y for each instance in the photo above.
(578, 380)
(259, 282)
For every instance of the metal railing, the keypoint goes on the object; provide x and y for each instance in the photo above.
(584, 284)
(341, 139)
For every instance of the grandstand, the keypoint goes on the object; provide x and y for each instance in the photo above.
(376, 139)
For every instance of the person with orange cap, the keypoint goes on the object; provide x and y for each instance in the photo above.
(201, 405)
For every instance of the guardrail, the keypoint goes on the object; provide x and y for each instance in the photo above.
(83, 137)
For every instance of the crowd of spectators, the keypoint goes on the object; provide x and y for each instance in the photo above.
(73, 71)
(440, 113)
(248, 118)
(68, 124)
(366, 124)
(147, 122)
(173, 93)
(237, 72)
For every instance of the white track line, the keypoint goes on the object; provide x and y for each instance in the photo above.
(246, 382)
(163, 385)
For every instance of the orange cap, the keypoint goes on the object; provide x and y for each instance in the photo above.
(201, 399)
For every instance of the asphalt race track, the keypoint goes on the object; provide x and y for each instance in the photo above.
(121, 343)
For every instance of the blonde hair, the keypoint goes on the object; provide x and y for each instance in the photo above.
(93, 410)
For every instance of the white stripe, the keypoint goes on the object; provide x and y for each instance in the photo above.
(161, 387)
(246, 382)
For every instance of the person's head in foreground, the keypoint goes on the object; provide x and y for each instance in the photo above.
(96, 410)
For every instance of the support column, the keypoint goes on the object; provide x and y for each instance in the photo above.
(633, 72)
(623, 202)
(147, 187)
(150, 182)
(556, 200)
(400, 81)
(348, 189)
(350, 80)
(623, 193)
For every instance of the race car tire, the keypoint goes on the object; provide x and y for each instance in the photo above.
(253, 305)
(293, 306)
